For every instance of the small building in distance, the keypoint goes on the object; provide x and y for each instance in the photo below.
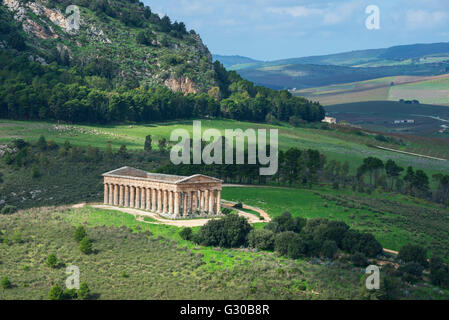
(330, 120)
(408, 121)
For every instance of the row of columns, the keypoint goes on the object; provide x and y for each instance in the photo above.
(163, 201)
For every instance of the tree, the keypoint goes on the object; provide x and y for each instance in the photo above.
(359, 260)
(56, 293)
(122, 152)
(439, 272)
(148, 141)
(52, 261)
(162, 143)
(371, 165)
(86, 246)
(393, 171)
(413, 253)
(283, 241)
(186, 233)
(80, 233)
(229, 232)
(6, 283)
(84, 291)
(329, 249)
(262, 239)
(41, 143)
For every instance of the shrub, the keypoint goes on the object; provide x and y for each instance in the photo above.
(230, 231)
(52, 261)
(413, 253)
(84, 291)
(439, 272)
(283, 240)
(286, 222)
(8, 209)
(359, 260)
(86, 246)
(262, 239)
(413, 269)
(56, 293)
(329, 249)
(80, 233)
(186, 233)
(6, 283)
(70, 294)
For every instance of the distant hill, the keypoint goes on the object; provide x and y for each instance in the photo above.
(233, 61)
(428, 120)
(307, 72)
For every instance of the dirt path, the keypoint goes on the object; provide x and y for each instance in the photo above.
(141, 214)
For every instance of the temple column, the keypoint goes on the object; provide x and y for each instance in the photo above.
(165, 208)
(176, 204)
(115, 194)
(206, 201)
(194, 201)
(142, 198)
(148, 202)
(137, 203)
(126, 196)
(132, 194)
(170, 202)
(106, 193)
(211, 201)
(122, 195)
(184, 204)
(153, 200)
(218, 201)
(159, 200)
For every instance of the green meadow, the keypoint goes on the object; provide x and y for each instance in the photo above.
(342, 145)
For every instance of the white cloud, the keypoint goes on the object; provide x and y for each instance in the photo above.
(330, 13)
(418, 19)
(296, 12)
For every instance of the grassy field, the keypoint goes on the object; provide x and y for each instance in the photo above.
(426, 89)
(335, 144)
(137, 260)
(395, 220)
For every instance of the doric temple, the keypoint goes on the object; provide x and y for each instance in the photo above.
(171, 196)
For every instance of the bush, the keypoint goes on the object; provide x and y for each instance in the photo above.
(439, 272)
(411, 271)
(329, 249)
(413, 253)
(286, 222)
(230, 231)
(262, 239)
(56, 293)
(283, 241)
(186, 233)
(52, 261)
(80, 233)
(84, 291)
(8, 209)
(6, 283)
(86, 246)
(70, 294)
(359, 260)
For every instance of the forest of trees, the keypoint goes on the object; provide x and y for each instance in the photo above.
(31, 91)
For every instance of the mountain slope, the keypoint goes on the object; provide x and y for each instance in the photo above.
(123, 37)
(232, 62)
(307, 72)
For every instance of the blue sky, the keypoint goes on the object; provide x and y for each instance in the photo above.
(277, 29)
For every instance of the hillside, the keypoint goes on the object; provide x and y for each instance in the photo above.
(124, 38)
(429, 120)
(232, 62)
(361, 65)
(425, 89)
